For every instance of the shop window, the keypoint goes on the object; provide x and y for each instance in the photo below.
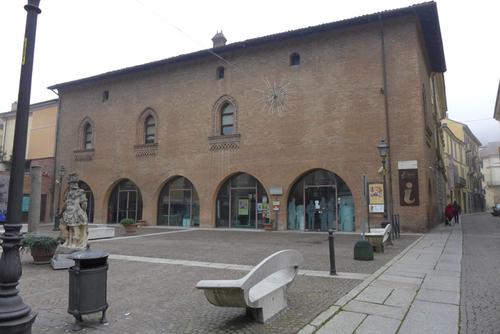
(319, 201)
(242, 202)
(178, 204)
(125, 202)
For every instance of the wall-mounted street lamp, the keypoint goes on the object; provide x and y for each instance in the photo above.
(383, 151)
(61, 172)
(15, 316)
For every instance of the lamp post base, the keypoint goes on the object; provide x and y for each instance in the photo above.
(18, 326)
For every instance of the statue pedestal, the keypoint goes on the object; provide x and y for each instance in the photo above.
(60, 259)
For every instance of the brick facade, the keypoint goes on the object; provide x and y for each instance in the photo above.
(334, 119)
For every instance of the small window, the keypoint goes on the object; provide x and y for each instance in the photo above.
(105, 95)
(220, 73)
(149, 130)
(87, 137)
(227, 119)
(294, 59)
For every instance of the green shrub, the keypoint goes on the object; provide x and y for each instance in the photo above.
(127, 221)
(34, 240)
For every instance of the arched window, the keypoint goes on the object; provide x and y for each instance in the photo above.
(294, 59)
(87, 136)
(227, 119)
(149, 130)
(220, 73)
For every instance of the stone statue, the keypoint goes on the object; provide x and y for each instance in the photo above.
(73, 216)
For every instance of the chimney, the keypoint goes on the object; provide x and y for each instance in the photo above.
(14, 106)
(219, 39)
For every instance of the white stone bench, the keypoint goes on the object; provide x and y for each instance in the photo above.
(377, 237)
(97, 231)
(262, 291)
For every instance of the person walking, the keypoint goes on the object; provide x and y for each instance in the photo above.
(449, 213)
(458, 211)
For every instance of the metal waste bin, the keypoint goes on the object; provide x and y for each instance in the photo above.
(88, 285)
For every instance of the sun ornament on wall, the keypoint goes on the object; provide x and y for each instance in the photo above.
(275, 97)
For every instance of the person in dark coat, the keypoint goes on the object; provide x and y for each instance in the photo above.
(458, 211)
(449, 213)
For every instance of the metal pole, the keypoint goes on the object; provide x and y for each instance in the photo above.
(58, 208)
(333, 270)
(15, 316)
(385, 189)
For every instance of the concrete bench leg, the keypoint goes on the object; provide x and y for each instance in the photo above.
(271, 305)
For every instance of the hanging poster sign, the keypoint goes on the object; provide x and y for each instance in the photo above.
(259, 207)
(276, 205)
(243, 207)
(408, 187)
(25, 206)
(376, 197)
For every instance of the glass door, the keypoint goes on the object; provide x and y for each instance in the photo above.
(321, 211)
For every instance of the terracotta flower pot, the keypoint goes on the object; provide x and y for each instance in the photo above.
(130, 228)
(42, 255)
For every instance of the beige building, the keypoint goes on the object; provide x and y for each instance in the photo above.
(288, 122)
(490, 158)
(463, 166)
(40, 150)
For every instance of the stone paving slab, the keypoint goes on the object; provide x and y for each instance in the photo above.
(427, 317)
(386, 311)
(439, 296)
(343, 323)
(374, 324)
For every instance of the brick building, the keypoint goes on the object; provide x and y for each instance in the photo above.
(213, 138)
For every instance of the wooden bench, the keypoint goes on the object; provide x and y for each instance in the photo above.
(262, 291)
(377, 237)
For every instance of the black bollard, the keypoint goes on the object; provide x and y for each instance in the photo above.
(333, 270)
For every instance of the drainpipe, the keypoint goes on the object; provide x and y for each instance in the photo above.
(55, 170)
(390, 210)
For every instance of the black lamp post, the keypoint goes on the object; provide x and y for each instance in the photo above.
(383, 151)
(61, 173)
(15, 316)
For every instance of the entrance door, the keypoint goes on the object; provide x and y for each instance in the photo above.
(321, 213)
(127, 205)
(180, 208)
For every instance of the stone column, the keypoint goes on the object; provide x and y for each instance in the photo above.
(35, 199)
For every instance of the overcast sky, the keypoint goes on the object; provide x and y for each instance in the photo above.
(76, 39)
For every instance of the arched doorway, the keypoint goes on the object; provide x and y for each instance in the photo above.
(240, 202)
(125, 202)
(320, 200)
(178, 204)
(90, 200)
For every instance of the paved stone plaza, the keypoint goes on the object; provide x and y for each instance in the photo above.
(151, 280)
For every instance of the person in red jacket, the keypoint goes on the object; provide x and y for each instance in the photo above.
(449, 212)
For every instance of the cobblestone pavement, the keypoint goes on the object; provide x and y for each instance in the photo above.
(480, 287)
(161, 298)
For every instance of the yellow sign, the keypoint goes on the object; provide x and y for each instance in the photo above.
(376, 197)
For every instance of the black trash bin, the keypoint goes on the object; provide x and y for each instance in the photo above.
(88, 285)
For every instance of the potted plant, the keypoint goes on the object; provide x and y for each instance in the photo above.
(42, 247)
(268, 225)
(129, 224)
